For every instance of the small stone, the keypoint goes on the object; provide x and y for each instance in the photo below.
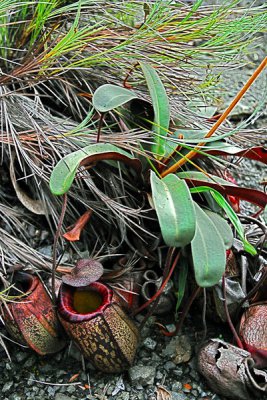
(176, 386)
(46, 250)
(7, 386)
(178, 349)
(169, 365)
(30, 362)
(51, 390)
(178, 372)
(194, 375)
(159, 375)
(149, 343)
(61, 396)
(60, 372)
(8, 366)
(123, 396)
(155, 358)
(178, 396)
(21, 356)
(142, 375)
(15, 396)
(71, 389)
(45, 368)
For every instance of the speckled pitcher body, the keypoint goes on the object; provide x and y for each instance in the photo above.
(32, 320)
(94, 319)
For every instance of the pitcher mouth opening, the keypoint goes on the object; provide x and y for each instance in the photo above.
(24, 284)
(83, 304)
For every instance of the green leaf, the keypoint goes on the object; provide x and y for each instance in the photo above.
(174, 208)
(64, 172)
(208, 251)
(107, 97)
(202, 177)
(161, 108)
(223, 228)
(182, 280)
(218, 197)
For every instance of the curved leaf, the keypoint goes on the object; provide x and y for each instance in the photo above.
(174, 208)
(107, 97)
(208, 251)
(196, 178)
(223, 228)
(197, 175)
(220, 200)
(64, 172)
(254, 153)
(161, 108)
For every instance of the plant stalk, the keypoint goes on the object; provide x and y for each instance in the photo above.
(54, 255)
(222, 118)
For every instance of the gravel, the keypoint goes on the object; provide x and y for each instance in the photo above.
(62, 376)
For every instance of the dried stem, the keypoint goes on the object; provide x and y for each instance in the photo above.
(222, 118)
(54, 255)
(228, 318)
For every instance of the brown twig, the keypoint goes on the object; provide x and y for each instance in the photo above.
(222, 118)
(54, 254)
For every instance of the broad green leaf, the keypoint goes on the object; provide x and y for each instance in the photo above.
(161, 108)
(174, 208)
(64, 172)
(223, 228)
(107, 97)
(218, 197)
(208, 251)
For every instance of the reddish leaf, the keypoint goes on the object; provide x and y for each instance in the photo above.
(254, 153)
(251, 195)
(234, 201)
(75, 232)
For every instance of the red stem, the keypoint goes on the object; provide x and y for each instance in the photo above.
(184, 314)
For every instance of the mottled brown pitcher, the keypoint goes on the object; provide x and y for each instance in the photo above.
(32, 319)
(94, 319)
